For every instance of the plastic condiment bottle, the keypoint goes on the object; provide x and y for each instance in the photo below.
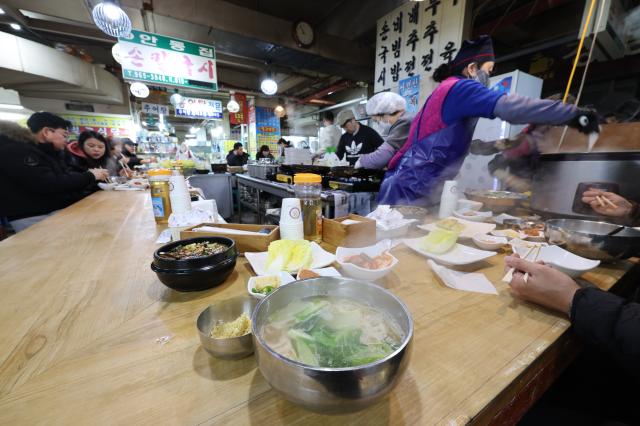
(308, 188)
(160, 189)
(179, 194)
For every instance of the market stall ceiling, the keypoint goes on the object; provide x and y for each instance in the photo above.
(244, 35)
(253, 36)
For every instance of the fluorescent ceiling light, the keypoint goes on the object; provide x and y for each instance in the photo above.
(11, 106)
(15, 26)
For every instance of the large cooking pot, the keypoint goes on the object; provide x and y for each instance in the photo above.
(332, 390)
(591, 240)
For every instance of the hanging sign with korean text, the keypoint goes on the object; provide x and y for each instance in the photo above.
(415, 39)
(199, 108)
(168, 61)
(239, 117)
(155, 109)
(108, 125)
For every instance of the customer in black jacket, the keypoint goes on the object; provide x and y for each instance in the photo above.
(237, 156)
(34, 180)
(601, 385)
(129, 152)
(603, 320)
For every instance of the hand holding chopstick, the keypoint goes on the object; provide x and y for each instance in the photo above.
(535, 257)
(509, 275)
(607, 203)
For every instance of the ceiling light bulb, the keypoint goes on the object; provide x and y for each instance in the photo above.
(139, 90)
(279, 111)
(233, 106)
(111, 19)
(15, 26)
(269, 86)
(175, 99)
(115, 52)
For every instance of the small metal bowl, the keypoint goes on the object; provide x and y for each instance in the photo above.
(227, 311)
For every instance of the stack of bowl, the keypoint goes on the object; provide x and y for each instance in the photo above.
(200, 273)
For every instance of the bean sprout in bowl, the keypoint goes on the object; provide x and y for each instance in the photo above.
(331, 344)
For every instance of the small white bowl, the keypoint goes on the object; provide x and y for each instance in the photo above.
(355, 271)
(562, 260)
(489, 242)
(107, 186)
(473, 215)
(285, 278)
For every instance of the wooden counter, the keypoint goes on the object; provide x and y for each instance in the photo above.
(90, 336)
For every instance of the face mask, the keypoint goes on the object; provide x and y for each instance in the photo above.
(482, 77)
(384, 127)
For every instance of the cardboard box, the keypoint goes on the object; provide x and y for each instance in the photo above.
(360, 234)
(244, 243)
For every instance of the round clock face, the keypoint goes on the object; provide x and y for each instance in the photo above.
(304, 34)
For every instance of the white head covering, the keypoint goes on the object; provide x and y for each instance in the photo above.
(386, 103)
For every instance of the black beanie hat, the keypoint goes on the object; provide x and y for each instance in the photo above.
(478, 50)
(40, 120)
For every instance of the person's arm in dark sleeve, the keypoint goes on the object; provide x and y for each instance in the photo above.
(518, 109)
(341, 147)
(609, 322)
(40, 179)
(134, 161)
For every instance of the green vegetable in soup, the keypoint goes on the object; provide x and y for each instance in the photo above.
(332, 332)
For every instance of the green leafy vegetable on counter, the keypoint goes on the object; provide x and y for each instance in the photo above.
(439, 241)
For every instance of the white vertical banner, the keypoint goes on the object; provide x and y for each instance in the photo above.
(415, 39)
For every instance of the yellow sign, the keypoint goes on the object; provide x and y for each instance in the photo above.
(97, 120)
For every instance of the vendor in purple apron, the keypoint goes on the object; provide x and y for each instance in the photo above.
(441, 132)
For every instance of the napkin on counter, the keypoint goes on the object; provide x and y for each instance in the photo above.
(226, 231)
(191, 218)
(387, 218)
(474, 282)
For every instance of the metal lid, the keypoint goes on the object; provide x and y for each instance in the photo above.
(307, 178)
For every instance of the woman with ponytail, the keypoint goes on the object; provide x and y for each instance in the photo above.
(441, 132)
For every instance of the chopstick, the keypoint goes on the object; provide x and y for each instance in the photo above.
(535, 257)
(602, 200)
(509, 275)
(108, 179)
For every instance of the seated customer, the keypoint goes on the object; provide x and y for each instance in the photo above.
(90, 151)
(117, 160)
(601, 385)
(130, 153)
(389, 110)
(34, 181)
(264, 152)
(237, 156)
